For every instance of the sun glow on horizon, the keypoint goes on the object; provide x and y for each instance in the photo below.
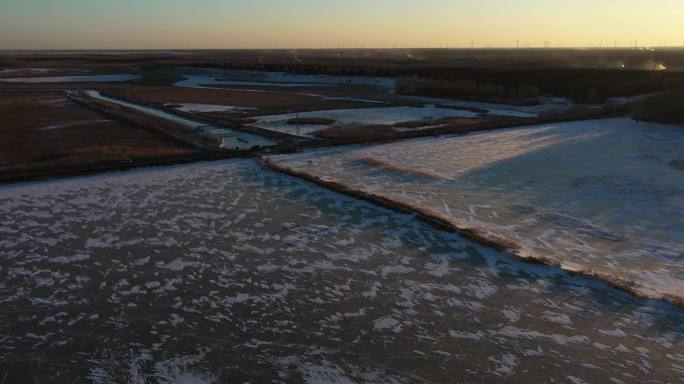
(124, 24)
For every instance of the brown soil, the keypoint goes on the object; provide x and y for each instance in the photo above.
(44, 129)
(310, 121)
(356, 131)
(265, 102)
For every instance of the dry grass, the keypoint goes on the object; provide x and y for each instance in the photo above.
(491, 239)
(450, 121)
(310, 121)
(25, 143)
(266, 103)
(462, 108)
(356, 131)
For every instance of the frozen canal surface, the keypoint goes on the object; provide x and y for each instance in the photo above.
(204, 108)
(230, 139)
(71, 79)
(366, 116)
(223, 272)
(605, 197)
(370, 116)
(240, 78)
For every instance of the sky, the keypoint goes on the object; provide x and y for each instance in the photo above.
(181, 24)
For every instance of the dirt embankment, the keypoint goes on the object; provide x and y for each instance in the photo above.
(425, 214)
(47, 171)
(310, 121)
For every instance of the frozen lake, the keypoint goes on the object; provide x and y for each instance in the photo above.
(71, 79)
(222, 271)
(604, 197)
(239, 78)
(370, 116)
(208, 108)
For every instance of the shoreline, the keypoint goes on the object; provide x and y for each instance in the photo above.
(475, 234)
(54, 172)
(434, 219)
(103, 167)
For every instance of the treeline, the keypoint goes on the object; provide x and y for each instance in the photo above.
(580, 85)
(9, 63)
(464, 88)
(308, 69)
(666, 107)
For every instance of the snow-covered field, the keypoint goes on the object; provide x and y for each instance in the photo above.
(224, 272)
(605, 197)
(71, 79)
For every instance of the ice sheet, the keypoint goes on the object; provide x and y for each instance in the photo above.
(370, 116)
(71, 79)
(209, 77)
(205, 108)
(603, 197)
(211, 272)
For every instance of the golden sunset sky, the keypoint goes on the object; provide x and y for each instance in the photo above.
(163, 24)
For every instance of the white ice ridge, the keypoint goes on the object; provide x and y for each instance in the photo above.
(605, 197)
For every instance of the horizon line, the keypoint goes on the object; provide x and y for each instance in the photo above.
(552, 48)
